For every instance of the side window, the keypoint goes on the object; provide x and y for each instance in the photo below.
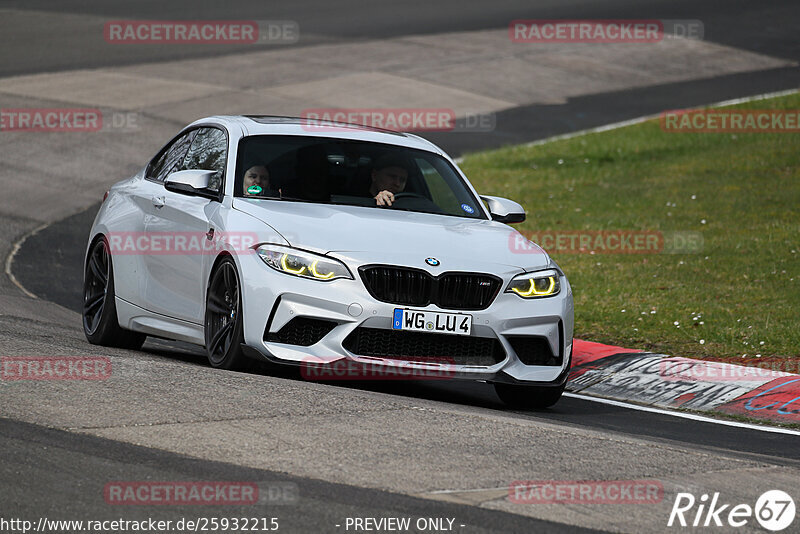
(208, 152)
(170, 158)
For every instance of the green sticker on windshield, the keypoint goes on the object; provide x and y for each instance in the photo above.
(254, 190)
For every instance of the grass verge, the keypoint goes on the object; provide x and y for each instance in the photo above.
(736, 299)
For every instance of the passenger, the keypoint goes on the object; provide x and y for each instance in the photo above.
(389, 177)
(256, 181)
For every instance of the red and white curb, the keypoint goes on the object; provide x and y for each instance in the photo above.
(664, 381)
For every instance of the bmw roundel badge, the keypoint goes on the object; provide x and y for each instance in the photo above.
(433, 262)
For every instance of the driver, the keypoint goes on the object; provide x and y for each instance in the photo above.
(389, 177)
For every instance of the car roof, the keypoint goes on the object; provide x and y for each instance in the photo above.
(284, 125)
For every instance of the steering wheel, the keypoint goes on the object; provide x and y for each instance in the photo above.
(409, 194)
(409, 199)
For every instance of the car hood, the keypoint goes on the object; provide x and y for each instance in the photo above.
(376, 235)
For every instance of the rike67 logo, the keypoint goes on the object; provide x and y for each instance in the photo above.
(774, 510)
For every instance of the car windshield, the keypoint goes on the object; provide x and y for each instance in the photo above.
(356, 173)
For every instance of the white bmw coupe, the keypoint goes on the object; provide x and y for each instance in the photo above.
(313, 244)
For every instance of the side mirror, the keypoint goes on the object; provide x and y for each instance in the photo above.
(191, 182)
(504, 210)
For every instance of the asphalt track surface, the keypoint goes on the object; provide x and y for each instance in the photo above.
(49, 471)
(63, 244)
(768, 28)
(302, 506)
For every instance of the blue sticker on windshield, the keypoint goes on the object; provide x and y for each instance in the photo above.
(467, 208)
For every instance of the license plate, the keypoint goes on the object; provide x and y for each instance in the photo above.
(435, 322)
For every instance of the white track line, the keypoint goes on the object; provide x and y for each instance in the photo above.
(440, 492)
(13, 253)
(684, 415)
(639, 120)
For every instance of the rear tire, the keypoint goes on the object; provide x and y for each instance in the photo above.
(529, 397)
(224, 331)
(100, 323)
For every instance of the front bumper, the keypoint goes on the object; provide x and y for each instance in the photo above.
(271, 300)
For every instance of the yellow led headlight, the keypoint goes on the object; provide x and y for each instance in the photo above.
(319, 275)
(535, 285)
(289, 264)
(301, 263)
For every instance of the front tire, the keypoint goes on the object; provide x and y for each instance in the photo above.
(100, 323)
(529, 397)
(224, 331)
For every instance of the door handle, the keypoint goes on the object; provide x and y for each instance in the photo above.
(159, 201)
